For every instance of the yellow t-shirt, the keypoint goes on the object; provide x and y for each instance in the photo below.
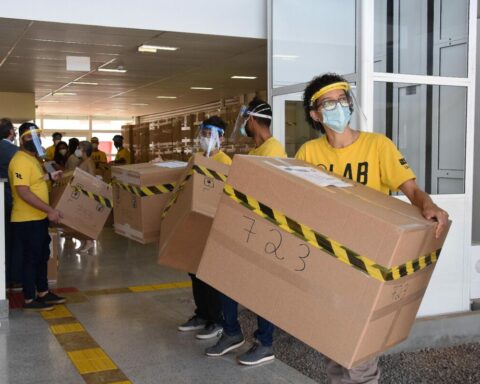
(99, 157)
(270, 148)
(50, 153)
(372, 160)
(123, 154)
(222, 157)
(25, 170)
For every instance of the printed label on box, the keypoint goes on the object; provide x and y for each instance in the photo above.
(313, 176)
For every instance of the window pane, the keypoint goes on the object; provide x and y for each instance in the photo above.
(422, 37)
(109, 125)
(316, 37)
(428, 125)
(62, 124)
(106, 144)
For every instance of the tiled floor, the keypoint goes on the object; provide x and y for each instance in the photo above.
(136, 330)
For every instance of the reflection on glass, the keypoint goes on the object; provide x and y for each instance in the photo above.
(297, 130)
(428, 125)
(312, 37)
(422, 37)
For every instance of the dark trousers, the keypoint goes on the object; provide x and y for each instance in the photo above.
(231, 326)
(35, 250)
(207, 300)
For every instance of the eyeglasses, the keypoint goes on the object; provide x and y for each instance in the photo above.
(331, 104)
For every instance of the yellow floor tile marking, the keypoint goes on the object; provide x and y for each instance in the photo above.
(122, 382)
(91, 360)
(159, 287)
(66, 328)
(58, 312)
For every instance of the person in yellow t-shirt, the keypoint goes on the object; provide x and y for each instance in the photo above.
(123, 155)
(98, 156)
(30, 218)
(50, 151)
(253, 121)
(368, 158)
(208, 313)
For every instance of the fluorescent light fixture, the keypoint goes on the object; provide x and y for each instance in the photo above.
(49, 101)
(201, 88)
(83, 83)
(244, 77)
(166, 97)
(139, 104)
(155, 48)
(112, 70)
(64, 94)
(285, 57)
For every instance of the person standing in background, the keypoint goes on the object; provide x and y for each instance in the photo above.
(98, 156)
(8, 149)
(123, 155)
(72, 161)
(61, 155)
(50, 151)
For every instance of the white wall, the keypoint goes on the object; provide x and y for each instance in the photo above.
(242, 18)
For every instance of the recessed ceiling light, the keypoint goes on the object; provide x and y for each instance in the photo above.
(201, 88)
(285, 57)
(83, 83)
(244, 77)
(155, 48)
(64, 94)
(166, 97)
(139, 104)
(112, 70)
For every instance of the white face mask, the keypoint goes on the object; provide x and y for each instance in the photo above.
(205, 143)
(94, 146)
(63, 152)
(78, 153)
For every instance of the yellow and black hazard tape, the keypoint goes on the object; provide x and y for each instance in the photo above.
(106, 202)
(330, 246)
(201, 170)
(151, 190)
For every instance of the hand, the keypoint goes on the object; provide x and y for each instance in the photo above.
(157, 160)
(433, 212)
(57, 175)
(54, 216)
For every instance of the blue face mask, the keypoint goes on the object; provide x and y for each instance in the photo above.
(337, 119)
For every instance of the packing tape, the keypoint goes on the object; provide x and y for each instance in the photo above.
(330, 246)
(201, 170)
(151, 190)
(106, 202)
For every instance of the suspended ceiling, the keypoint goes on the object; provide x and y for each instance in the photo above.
(33, 59)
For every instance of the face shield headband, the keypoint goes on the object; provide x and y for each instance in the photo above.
(35, 133)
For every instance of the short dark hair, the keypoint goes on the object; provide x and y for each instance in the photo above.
(26, 127)
(57, 135)
(314, 86)
(216, 121)
(260, 106)
(72, 145)
(5, 127)
(117, 138)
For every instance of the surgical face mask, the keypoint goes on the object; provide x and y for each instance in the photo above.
(337, 119)
(63, 152)
(30, 146)
(94, 146)
(78, 153)
(55, 142)
(204, 144)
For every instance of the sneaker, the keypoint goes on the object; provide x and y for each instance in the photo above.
(256, 355)
(195, 323)
(36, 305)
(51, 298)
(210, 331)
(225, 344)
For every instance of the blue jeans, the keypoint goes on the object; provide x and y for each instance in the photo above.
(231, 326)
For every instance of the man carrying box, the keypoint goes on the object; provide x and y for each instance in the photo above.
(208, 314)
(253, 121)
(368, 158)
(30, 217)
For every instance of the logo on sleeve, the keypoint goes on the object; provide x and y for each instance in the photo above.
(404, 163)
(18, 176)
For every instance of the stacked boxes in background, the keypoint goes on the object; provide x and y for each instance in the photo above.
(190, 212)
(140, 193)
(334, 263)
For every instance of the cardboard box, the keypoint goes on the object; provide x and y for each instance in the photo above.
(52, 271)
(187, 222)
(75, 195)
(140, 192)
(314, 285)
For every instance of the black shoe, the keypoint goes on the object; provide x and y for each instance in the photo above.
(225, 344)
(193, 324)
(51, 298)
(36, 306)
(209, 332)
(256, 355)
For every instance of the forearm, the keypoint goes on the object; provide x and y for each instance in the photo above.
(421, 199)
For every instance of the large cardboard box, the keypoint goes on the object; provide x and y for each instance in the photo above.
(52, 270)
(140, 193)
(84, 200)
(188, 219)
(342, 268)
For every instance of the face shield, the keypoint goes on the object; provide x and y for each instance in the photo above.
(35, 144)
(244, 114)
(209, 138)
(337, 112)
